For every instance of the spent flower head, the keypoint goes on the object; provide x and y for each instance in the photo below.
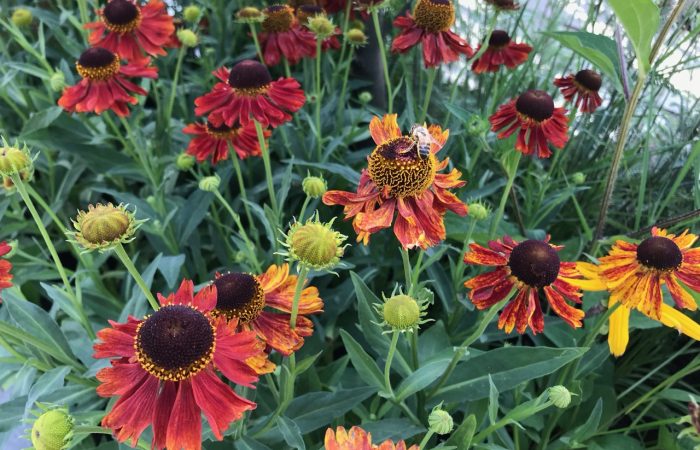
(314, 244)
(104, 226)
(250, 14)
(356, 37)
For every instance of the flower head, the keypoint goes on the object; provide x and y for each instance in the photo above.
(188, 37)
(440, 421)
(133, 30)
(501, 51)
(358, 439)
(314, 187)
(15, 160)
(263, 303)
(105, 84)
(5, 267)
(22, 17)
(402, 177)
(402, 312)
(529, 267)
(216, 142)
(102, 227)
(282, 36)
(165, 371)
(314, 244)
(581, 89)
(53, 429)
(250, 14)
(210, 183)
(248, 90)
(560, 396)
(191, 13)
(504, 5)
(430, 25)
(184, 161)
(538, 122)
(356, 37)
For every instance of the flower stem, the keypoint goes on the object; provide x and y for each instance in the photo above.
(317, 104)
(301, 278)
(121, 253)
(460, 264)
(268, 169)
(258, 50)
(512, 170)
(387, 365)
(385, 65)
(407, 272)
(428, 91)
(344, 88)
(241, 186)
(303, 208)
(173, 89)
(425, 440)
(237, 220)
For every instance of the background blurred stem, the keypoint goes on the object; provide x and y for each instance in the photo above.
(124, 257)
(432, 72)
(173, 88)
(511, 168)
(237, 220)
(301, 278)
(385, 65)
(258, 50)
(317, 103)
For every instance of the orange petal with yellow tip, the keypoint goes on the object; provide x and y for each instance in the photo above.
(384, 129)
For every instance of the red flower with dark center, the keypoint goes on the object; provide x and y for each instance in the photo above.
(130, 30)
(164, 371)
(529, 267)
(282, 36)
(537, 121)
(216, 142)
(504, 5)
(5, 266)
(402, 177)
(430, 25)
(501, 51)
(105, 85)
(581, 89)
(306, 12)
(248, 90)
(334, 6)
(263, 303)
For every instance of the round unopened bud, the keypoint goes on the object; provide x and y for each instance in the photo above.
(356, 37)
(477, 125)
(321, 26)
(22, 17)
(440, 421)
(250, 14)
(184, 161)
(357, 24)
(478, 211)
(365, 97)
(57, 81)
(560, 396)
(52, 430)
(210, 184)
(315, 244)
(103, 226)
(402, 312)
(187, 37)
(191, 13)
(14, 160)
(152, 201)
(314, 187)
(578, 178)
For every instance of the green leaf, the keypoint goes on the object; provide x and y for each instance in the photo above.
(640, 19)
(364, 364)
(493, 401)
(421, 378)
(317, 409)
(291, 433)
(586, 430)
(601, 51)
(507, 366)
(248, 443)
(462, 436)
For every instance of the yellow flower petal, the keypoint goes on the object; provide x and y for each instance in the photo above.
(673, 318)
(618, 334)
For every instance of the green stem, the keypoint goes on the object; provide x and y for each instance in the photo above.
(344, 88)
(432, 72)
(317, 104)
(460, 264)
(301, 278)
(237, 220)
(258, 50)
(382, 50)
(303, 208)
(387, 365)
(425, 440)
(407, 273)
(512, 172)
(173, 89)
(241, 186)
(82, 7)
(121, 253)
(268, 169)
(508, 419)
(142, 154)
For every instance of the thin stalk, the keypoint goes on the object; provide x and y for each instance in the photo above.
(303, 208)
(425, 439)
(237, 220)
(389, 359)
(241, 185)
(380, 42)
(344, 46)
(268, 168)
(124, 258)
(82, 7)
(301, 278)
(432, 72)
(460, 264)
(344, 88)
(509, 420)
(258, 49)
(317, 104)
(173, 88)
(512, 172)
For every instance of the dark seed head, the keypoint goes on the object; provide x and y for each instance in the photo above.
(659, 253)
(275, 8)
(223, 128)
(499, 38)
(535, 263)
(120, 12)
(440, 2)
(175, 337)
(311, 9)
(589, 79)
(96, 57)
(249, 74)
(239, 295)
(535, 104)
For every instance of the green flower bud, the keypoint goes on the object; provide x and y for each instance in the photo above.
(365, 97)
(191, 13)
(401, 312)
(102, 227)
(440, 421)
(321, 26)
(477, 125)
(356, 37)
(52, 430)
(57, 81)
(578, 178)
(478, 211)
(184, 161)
(250, 14)
(314, 187)
(187, 37)
(15, 160)
(560, 396)
(22, 17)
(357, 25)
(210, 184)
(315, 244)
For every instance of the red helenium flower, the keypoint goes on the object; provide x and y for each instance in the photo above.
(401, 179)
(248, 90)
(5, 267)
(164, 371)
(358, 439)
(501, 51)
(282, 36)
(581, 89)
(263, 303)
(105, 84)
(529, 267)
(215, 142)
(537, 121)
(430, 25)
(130, 29)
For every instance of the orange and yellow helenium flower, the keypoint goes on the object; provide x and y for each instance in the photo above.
(358, 439)
(402, 177)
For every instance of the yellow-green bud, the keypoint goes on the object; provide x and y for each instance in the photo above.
(184, 161)
(477, 125)
(314, 187)
(365, 97)
(357, 24)
(22, 17)
(250, 14)
(187, 37)
(102, 227)
(578, 178)
(356, 37)
(191, 13)
(440, 421)
(210, 184)
(52, 430)
(315, 244)
(57, 81)
(478, 211)
(321, 26)
(402, 312)
(14, 160)
(559, 396)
